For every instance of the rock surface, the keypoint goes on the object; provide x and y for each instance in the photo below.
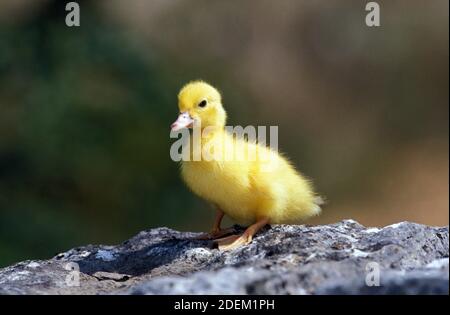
(283, 259)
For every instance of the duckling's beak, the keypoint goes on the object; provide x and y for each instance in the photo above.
(184, 120)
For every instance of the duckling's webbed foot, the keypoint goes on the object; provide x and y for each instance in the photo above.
(234, 241)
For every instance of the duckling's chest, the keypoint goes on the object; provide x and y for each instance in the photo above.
(224, 184)
(209, 179)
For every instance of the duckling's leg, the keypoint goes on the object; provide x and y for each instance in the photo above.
(234, 241)
(216, 231)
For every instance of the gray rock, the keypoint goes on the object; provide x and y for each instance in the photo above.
(283, 259)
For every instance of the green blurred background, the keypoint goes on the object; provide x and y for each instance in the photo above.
(85, 112)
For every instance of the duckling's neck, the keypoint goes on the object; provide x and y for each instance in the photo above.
(208, 137)
(211, 132)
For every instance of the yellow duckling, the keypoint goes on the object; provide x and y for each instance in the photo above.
(252, 188)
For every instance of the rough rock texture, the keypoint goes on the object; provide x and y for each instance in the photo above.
(283, 259)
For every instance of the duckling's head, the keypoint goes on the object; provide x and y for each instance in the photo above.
(200, 104)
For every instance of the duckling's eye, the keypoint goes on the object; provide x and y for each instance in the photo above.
(203, 103)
